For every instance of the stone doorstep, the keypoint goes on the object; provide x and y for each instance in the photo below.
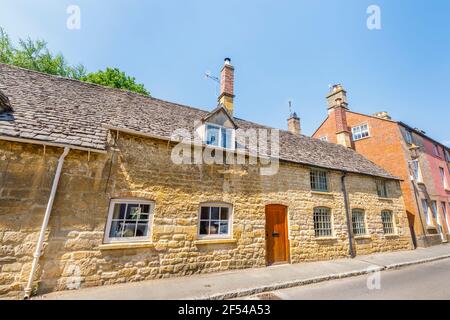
(240, 293)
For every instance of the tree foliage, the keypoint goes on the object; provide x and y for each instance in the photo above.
(34, 55)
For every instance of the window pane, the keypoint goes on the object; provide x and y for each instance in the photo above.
(145, 208)
(116, 229)
(142, 230)
(204, 227)
(224, 227)
(204, 213)
(319, 180)
(129, 229)
(214, 227)
(119, 211)
(133, 211)
(212, 135)
(215, 213)
(223, 213)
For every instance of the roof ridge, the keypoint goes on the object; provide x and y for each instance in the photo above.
(98, 86)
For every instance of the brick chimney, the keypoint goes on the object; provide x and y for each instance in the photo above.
(337, 108)
(294, 124)
(226, 97)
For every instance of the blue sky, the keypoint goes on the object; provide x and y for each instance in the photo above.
(282, 50)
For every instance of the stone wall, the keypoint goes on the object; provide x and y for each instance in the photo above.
(141, 168)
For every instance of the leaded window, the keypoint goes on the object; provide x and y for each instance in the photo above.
(322, 222)
(319, 180)
(359, 223)
(388, 222)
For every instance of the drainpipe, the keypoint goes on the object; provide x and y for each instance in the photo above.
(348, 215)
(48, 212)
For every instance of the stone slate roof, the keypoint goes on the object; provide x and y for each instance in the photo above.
(58, 110)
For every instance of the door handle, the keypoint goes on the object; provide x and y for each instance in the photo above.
(275, 234)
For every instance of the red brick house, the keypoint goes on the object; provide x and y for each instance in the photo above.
(404, 151)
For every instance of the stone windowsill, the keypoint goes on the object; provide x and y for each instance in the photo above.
(385, 199)
(364, 237)
(124, 246)
(322, 193)
(431, 227)
(326, 238)
(214, 241)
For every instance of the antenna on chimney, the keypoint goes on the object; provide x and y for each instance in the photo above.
(209, 76)
(290, 106)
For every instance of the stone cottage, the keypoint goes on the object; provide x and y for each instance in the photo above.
(99, 186)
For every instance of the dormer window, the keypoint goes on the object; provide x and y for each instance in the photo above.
(219, 136)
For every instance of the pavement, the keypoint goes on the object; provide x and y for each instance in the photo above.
(430, 281)
(248, 282)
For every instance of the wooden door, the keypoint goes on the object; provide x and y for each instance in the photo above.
(277, 245)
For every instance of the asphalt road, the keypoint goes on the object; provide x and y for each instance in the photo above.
(419, 282)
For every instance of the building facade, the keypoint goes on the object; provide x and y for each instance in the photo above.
(421, 162)
(93, 193)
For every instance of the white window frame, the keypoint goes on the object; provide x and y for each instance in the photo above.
(417, 172)
(361, 132)
(317, 231)
(113, 202)
(219, 143)
(443, 178)
(363, 212)
(409, 137)
(427, 211)
(394, 226)
(230, 207)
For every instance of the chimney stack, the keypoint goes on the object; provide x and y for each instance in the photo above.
(383, 115)
(337, 92)
(226, 97)
(294, 124)
(337, 108)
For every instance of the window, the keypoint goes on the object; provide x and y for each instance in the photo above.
(359, 223)
(388, 222)
(219, 136)
(447, 155)
(444, 181)
(129, 220)
(324, 138)
(408, 137)
(360, 132)
(436, 150)
(434, 209)
(215, 220)
(426, 211)
(319, 181)
(416, 170)
(322, 222)
(381, 189)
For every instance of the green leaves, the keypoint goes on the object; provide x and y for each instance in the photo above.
(116, 79)
(34, 55)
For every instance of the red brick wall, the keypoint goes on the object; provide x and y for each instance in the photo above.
(384, 147)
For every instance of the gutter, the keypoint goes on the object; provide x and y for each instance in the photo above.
(349, 217)
(48, 212)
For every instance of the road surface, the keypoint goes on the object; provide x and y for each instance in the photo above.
(424, 281)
